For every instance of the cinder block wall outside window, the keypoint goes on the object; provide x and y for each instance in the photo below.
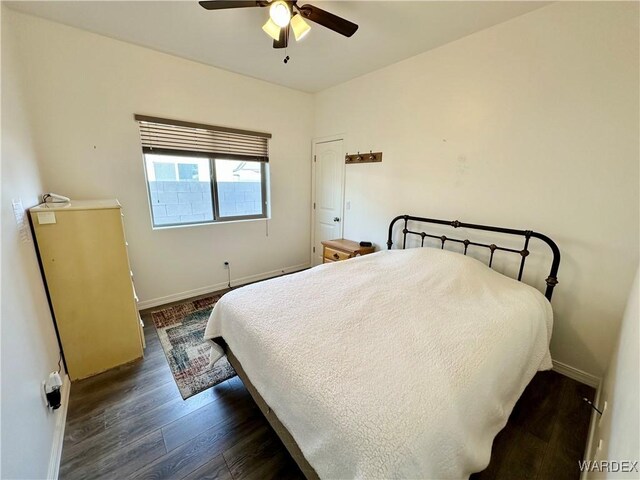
(176, 202)
(239, 198)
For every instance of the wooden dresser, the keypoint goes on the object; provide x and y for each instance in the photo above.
(83, 254)
(341, 249)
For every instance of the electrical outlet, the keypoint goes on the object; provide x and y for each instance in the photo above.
(226, 265)
(596, 456)
(43, 393)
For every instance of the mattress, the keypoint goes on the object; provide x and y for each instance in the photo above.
(398, 364)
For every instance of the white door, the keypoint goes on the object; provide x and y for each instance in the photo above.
(329, 194)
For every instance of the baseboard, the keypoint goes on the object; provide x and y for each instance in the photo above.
(593, 425)
(576, 374)
(58, 434)
(155, 302)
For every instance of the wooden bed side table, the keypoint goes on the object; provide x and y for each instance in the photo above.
(342, 249)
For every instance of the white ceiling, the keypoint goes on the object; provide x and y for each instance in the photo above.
(389, 31)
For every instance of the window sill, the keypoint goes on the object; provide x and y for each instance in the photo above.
(205, 224)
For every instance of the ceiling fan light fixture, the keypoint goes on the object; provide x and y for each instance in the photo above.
(280, 14)
(271, 29)
(300, 27)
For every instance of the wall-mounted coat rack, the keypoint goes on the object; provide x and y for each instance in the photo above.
(370, 157)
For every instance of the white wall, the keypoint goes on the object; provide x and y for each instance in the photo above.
(83, 91)
(28, 343)
(531, 124)
(618, 428)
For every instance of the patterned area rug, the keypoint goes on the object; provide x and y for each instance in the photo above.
(181, 329)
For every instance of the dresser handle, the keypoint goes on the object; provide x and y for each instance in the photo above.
(336, 256)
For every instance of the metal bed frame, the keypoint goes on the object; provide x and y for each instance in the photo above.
(551, 280)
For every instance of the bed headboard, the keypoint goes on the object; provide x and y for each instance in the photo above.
(411, 229)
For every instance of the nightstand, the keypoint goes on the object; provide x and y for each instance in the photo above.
(342, 249)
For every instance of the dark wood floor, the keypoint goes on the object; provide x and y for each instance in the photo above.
(546, 434)
(131, 422)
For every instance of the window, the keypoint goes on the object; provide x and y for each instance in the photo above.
(175, 199)
(239, 188)
(200, 175)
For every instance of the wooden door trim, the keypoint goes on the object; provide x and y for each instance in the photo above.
(315, 141)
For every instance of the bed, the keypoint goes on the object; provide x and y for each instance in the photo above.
(400, 364)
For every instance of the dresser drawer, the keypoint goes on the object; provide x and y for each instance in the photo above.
(333, 254)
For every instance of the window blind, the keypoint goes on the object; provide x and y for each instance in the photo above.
(159, 135)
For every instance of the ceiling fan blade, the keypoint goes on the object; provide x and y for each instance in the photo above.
(328, 20)
(222, 4)
(283, 41)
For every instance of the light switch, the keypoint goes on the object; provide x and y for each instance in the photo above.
(46, 218)
(23, 226)
(18, 211)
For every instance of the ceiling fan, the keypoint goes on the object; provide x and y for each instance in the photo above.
(283, 14)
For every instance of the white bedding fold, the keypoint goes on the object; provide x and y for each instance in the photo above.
(399, 364)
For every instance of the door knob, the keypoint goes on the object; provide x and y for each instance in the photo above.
(336, 219)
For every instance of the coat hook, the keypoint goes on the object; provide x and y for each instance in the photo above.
(363, 158)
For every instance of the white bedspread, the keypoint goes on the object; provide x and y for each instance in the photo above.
(399, 364)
